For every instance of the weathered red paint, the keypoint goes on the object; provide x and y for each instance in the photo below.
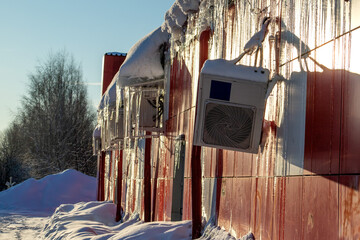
(320, 218)
(323, 114)
(111, 64)
(119, 186)
(101, 180)
(110, 171)
(350, 131)
(187, 202)
(196, 154)
(98, 187)
(349, 202)
(196, 190)
(224, 189)
(147, 180)
(262, 205)
(155, 188)
(243, 164)
(241, 210)
(219, 180)
(290, 207)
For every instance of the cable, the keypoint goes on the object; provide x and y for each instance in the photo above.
(308, 52)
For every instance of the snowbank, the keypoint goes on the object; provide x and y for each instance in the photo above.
(95, 220)
(46, 194)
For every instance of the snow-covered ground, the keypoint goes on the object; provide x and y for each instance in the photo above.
(63, 206)
(27, 207)
(96, 220)
(20, 226)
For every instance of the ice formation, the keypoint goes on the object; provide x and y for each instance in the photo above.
(97, 131)
(110, 94)
(205, 14)
(174, 21)
(188, 5)
(101, 103)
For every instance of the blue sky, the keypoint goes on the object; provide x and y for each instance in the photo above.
(30, 30)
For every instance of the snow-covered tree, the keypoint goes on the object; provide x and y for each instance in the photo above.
(56, 119)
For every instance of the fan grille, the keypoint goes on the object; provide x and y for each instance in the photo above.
(227, 125)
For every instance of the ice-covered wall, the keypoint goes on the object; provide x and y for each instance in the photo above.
(309, 147)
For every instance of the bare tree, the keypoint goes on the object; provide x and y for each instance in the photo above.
(56, 120)
(11, 156)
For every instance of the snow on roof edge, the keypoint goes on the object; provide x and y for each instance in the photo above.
(143, 61)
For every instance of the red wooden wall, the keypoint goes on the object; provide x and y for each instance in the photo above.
(243, 191)
(111, 64)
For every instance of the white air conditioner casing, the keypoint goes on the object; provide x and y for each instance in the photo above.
(151, 110)
(230, 106)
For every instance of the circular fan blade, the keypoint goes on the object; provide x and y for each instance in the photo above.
(228, 125)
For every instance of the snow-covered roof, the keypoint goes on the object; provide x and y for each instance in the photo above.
(143, 61)
(222, 67)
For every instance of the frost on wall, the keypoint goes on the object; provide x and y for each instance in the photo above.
(143, 61)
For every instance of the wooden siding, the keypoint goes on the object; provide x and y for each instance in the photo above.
(304, 182)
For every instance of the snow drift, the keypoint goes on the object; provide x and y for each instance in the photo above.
(46, 194)
(96, 220)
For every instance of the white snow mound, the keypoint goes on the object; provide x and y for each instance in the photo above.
(46, 194)
(96, 220)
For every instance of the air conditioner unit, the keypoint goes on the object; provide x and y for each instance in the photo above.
(230, 106)
(151, 110)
